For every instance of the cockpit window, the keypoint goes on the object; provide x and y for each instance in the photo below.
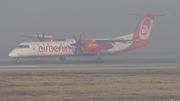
(23, 46)
(20, 46)
(26, 46)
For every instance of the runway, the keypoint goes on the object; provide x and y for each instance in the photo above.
(88, 65)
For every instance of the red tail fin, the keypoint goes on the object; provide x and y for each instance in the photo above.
(144, 27)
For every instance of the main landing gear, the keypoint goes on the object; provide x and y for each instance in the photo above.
(98, 60)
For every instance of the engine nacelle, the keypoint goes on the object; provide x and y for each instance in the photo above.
(96, 47)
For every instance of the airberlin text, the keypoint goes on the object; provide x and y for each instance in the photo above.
(56, 48)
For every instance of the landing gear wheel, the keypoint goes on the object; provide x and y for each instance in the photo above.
(17, 61)
(98, 60)
(62, 58)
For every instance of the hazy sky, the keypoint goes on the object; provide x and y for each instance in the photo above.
(93, 19)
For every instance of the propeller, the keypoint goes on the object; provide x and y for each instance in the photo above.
(40, 38)
(78, 44)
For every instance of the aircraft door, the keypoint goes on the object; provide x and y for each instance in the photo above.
(35, 50)
(114, 47)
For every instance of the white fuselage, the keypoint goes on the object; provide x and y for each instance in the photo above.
(60, 48)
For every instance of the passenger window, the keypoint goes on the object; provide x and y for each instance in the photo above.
(23, 46)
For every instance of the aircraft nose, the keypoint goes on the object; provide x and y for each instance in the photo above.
(13, 54)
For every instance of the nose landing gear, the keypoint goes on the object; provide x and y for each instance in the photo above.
(62, 58)
(17, 60)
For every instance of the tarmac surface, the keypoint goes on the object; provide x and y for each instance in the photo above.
(88, 65)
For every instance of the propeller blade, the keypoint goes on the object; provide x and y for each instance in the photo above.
(75, 37)
(80, 50)
(38, 36)
(75, 51)
(80, 37)
(43, 36)
(77, 44)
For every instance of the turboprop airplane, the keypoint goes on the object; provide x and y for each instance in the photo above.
(89, 47)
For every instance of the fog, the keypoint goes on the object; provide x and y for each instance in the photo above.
(92, 19)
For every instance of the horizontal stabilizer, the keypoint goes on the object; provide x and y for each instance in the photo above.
(150, 14)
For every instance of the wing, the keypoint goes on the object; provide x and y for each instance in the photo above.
(29, 36)
(43, 38)
(113, 40)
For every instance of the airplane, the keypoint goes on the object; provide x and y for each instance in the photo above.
(89, 47)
